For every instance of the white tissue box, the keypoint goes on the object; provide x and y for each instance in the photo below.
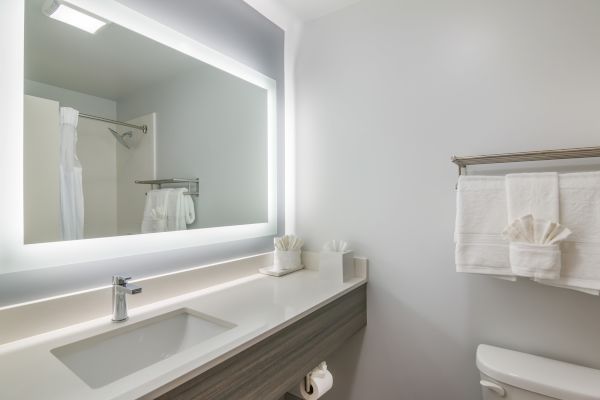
(285, 260)
(336, 266)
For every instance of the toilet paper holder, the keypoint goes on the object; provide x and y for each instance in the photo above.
(307, 385)
(317, 371)
(316, 383)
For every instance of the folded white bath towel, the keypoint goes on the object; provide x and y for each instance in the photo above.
(480, 219)
(532, 194)
(579, 196)
(155, 211)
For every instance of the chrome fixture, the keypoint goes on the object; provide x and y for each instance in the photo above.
(143, 128)
(121, 137)
(559, 154)
(175, 181)
(120, 290)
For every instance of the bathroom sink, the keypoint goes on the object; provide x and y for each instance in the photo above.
(102, 359)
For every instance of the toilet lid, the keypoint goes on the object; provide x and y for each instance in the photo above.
(539, 375)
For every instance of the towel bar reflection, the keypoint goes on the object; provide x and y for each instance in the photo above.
(174, 181)
(541, 155)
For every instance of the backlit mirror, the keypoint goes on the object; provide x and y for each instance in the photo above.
(124, 135)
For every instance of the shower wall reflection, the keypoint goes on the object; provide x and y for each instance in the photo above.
(112, 203)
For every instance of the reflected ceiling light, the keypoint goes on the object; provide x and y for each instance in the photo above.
(65, 13)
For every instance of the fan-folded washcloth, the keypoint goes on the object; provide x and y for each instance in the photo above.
(288, 243)
(168, 210)
(534, 251)
(155, 211)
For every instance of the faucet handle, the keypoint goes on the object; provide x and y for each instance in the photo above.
(119, 280)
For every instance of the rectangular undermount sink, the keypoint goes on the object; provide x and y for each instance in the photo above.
(103, 359)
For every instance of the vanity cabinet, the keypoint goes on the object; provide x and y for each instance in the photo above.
(273, 365)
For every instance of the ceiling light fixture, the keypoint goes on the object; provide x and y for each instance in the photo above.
(59, 11)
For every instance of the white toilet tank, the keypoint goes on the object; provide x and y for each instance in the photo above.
(510, 375)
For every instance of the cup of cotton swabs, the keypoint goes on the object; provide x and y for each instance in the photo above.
(287, 256)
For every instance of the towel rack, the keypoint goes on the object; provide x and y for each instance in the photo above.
(541, 155)
(174, 181)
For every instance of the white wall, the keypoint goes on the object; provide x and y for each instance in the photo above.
(387, 91)
(135, 164)
(211, 126)
(97, 151)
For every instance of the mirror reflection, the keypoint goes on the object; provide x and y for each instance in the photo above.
(123, 135)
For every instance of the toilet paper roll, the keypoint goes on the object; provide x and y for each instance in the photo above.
(320, 383)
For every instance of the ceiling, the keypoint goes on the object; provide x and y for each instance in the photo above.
(308, 10)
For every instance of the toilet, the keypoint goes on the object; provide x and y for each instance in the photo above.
(511, 375)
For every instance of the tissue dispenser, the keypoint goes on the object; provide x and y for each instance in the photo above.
(336, 266)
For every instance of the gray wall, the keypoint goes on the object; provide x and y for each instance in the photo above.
(387, 91)
(231, 27)
(213, 126)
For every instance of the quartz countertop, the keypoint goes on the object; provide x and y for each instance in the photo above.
(258, 305)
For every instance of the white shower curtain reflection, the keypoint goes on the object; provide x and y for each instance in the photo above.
(71, 185)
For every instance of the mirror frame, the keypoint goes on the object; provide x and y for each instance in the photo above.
(15, 256)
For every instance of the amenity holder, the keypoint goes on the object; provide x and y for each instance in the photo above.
(336, 261)
(287, 257)
(316, 383)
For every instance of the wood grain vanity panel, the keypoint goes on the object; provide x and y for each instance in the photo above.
(268, 369)
(289, 396)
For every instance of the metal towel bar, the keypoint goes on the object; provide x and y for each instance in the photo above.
(171, 181)
(542, 155)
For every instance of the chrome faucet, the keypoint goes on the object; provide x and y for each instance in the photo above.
(119, 301)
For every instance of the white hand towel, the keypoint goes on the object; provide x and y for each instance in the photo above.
(532, 194)
(189, 210)
(176, 210)
(480, 219)
(533, 210)
(155, 211)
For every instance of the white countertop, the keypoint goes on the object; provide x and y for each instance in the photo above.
(259, 305)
